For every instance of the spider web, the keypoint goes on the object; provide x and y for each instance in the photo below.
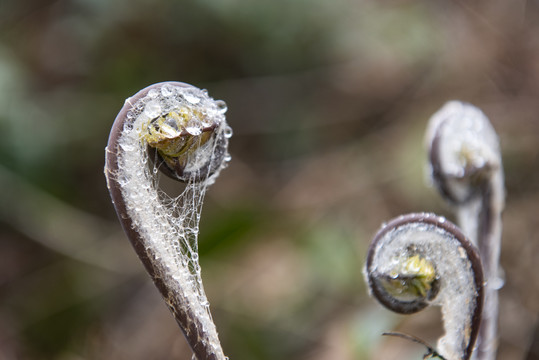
(169, 224)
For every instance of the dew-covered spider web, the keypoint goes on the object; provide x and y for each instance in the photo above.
(189, 137)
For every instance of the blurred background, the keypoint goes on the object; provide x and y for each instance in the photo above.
(328, 100)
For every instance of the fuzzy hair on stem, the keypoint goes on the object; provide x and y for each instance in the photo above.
(176, 129)
(466, 167)
(400, 262)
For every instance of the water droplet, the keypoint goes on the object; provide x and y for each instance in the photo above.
(228, 132)
(191, 98)
(152, 109)
(497, 283)
(166, 91)
(206, 122)
(127, 148)
(221, 106)
(193, 130)
(153, 93)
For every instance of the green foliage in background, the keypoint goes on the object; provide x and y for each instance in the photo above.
(328, 101)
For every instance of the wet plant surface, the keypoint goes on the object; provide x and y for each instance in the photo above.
(329, 102)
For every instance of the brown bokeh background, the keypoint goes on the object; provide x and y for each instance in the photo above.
(328, 100)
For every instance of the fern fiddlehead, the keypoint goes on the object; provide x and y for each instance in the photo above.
(177, 129)
(418, 260)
